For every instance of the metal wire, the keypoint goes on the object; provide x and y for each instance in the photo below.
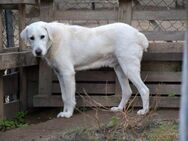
(64, 5)
(159, 25)
(15, 29)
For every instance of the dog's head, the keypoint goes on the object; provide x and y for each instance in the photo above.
(38, 36)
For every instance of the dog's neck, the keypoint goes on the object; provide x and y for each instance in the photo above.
(49, 54)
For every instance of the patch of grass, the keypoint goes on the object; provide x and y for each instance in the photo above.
(111, 131)
(113, 122)
(178, 67)
(172, 94)
(18, 121)
(166, 131)
(118, 129)
(78, 134)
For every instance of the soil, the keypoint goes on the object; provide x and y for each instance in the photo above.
(44, 126)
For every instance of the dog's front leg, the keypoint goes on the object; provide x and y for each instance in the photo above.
(67, 84)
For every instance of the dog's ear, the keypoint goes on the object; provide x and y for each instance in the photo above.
(24, 36)
(49, 30)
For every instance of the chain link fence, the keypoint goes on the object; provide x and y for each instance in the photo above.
(89, 5)
(10, 29)
(159, 25)
(10, 18)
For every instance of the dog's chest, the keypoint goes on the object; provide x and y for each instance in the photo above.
(92, 63)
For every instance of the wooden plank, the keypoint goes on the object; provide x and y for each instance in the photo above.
(17, 59)
(32, 83)
(11, 84)
(165, 35)
(161, 66)
(26, 58)
(161, 89)
(8, 50)
(88, 88)
(162, 56)
(171, 14)
(11, 109)
(33, 73)
(94, 76)
(167, 47)
(95, 88)
(86, 15)
(1, 96)
(100, 101)
(56, 101)
(158, 102)
(2, 2)
(32, 90)
(110, 76)
(45, 78)
(154, 76)
(23, 88)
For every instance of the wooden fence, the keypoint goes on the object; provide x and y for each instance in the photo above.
(13, 86)
(161, 65)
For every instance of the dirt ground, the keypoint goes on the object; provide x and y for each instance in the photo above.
(44, 126)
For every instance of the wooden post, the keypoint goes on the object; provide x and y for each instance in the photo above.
(22, 71)
(125, 13)
(1, 96)
(23, 88)
(45, 72)
(45, 79)
(22, 22)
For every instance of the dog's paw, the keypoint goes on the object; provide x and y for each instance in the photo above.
(142, 112)
(116, 109)
(64, 114)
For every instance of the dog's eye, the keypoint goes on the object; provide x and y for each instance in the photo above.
(32, 38)
(42, 37)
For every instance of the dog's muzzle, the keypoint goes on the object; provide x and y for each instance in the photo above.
(38, 52)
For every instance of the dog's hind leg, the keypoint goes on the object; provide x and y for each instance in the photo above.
(125, 88)
(131, 67)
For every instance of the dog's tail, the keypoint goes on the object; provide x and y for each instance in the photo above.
(143, 41)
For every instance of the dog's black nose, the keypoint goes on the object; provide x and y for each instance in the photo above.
(38, 52)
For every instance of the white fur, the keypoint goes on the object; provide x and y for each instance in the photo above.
(68, 48)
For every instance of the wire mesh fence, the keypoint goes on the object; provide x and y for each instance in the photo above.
(90, 5)
(12, 21)
(159, 4)
(159, 25)
(15, 29)
(164, 25)
(87, 4)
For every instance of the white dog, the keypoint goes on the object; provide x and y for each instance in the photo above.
(68, 48)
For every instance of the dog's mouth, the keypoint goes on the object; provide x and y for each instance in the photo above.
(38, 56)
